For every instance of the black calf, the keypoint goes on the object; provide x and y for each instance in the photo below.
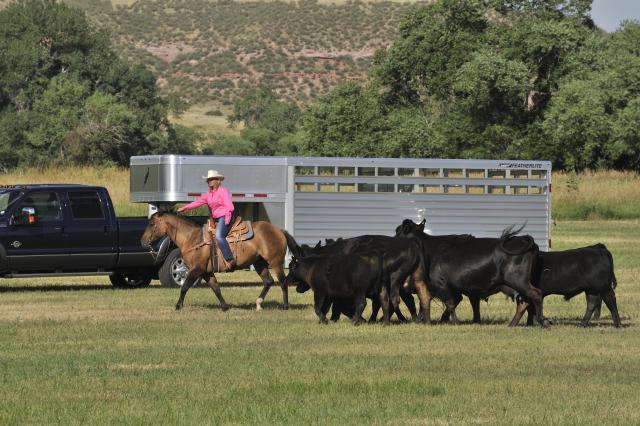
(571, 272)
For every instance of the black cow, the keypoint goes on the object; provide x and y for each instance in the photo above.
(571, 272)
(344, 278)
(365, 242)
(476, 267)
(401, 259)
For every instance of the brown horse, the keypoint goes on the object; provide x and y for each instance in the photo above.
(268, 247)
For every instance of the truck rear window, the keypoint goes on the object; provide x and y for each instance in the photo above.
(86, 205)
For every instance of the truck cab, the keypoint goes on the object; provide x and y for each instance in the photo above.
(48, 230)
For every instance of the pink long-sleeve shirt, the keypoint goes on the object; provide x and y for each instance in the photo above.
(219, 202)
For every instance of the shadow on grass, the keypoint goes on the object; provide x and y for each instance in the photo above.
(92, 287)
(57, 287)
(603, 322)
(269, 305)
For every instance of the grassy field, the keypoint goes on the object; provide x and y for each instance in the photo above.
(80, 352)
(199, 117)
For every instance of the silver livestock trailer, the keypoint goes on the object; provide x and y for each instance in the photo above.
(317, 197)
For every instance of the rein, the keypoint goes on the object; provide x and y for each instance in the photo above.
(199, 245)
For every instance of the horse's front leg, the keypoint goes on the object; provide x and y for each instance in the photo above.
(189, 280)
(215, 286)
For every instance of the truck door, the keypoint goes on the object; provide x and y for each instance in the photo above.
(92, 235)
(37, 243)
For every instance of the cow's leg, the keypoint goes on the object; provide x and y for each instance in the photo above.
(451, 302)
(598, 309)
(375, 308)
(609, 298)
(360, 302)
(475, 307)
(407, 298)
(521, 307)
(262, 269)
(532, 295)
(279, 271)
(531, 314)
(215, 286)
(423, 296)
(592, 301)
(189, 280)
(336, 310)
(385, 303)
(319, 300)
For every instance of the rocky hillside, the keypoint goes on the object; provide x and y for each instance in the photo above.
(212, 51)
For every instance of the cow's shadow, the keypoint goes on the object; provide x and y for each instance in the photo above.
(272, 305)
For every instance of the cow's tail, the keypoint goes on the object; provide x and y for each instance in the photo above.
(393, 292)
(509, 234)
(292, 244)
(613, 280)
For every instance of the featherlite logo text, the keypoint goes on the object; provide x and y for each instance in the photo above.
(521, 165)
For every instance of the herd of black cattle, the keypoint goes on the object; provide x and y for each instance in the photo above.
(343, 273)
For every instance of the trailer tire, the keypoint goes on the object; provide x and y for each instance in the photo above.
(122, 280)
(173, 271)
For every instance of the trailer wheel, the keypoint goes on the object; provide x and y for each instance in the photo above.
(122, 280)
(173, 271)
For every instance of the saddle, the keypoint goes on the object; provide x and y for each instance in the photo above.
(240, 231)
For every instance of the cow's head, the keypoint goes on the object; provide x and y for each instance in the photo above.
(409, 228)
(296, 276)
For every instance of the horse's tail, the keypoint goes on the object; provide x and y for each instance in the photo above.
(292, 244)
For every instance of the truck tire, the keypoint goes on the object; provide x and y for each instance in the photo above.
(173, 271)
(122, 280)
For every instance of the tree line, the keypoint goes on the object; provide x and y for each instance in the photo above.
(526, 79)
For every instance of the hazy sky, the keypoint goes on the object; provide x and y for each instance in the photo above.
(607, 14)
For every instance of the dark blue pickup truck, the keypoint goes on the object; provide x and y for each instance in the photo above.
(64, 230)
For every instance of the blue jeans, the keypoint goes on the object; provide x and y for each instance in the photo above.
(222, 230)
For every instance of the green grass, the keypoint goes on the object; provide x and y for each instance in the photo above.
(90, 354)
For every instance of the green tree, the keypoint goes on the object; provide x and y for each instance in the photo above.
(260, 108)
(66, 96)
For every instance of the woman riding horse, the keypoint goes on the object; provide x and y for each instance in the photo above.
(219, 201)
(267, 248)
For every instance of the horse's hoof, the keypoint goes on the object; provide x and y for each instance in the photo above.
(224, 307)
(546, 323)
(178, 307)
(284, 307)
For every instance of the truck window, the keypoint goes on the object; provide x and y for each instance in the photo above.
(6, 198)
(46, 205)
(85, 205)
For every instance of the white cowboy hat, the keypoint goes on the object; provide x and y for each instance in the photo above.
(212, 174)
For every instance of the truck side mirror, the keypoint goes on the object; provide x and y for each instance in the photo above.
(27, 216)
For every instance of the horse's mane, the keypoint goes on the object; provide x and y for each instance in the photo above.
(187, 219)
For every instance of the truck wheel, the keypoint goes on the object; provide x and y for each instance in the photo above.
(122, 280)
(173, 271)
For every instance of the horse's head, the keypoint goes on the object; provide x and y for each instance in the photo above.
(156, 229)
